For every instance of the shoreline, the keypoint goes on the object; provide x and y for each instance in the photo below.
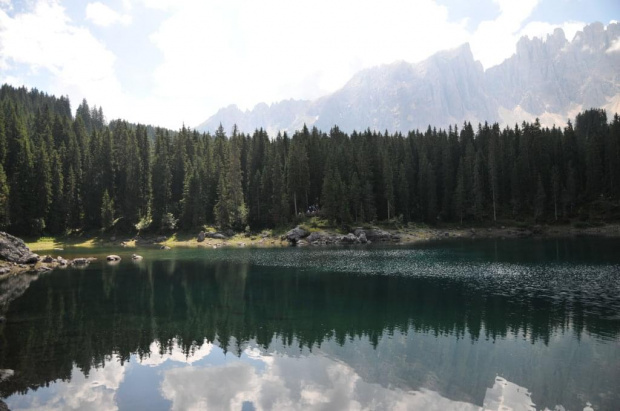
(326, 237)
(397, 236)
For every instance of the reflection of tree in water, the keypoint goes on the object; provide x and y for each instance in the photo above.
(85, 317)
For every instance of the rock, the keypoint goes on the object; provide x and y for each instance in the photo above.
(43, 269)
(217, 236)
(81, 261)
(136, 257)
(296, 234)
(362, 238)
(13, 249)
(201, 237)
(377, 235)
(48, 259)
(349, 239)
(113, 257)
(164, 247)
(61, 261)
(4, 270)
(316, 236)
(229, 233)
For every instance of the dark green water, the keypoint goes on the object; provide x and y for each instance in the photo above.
(522, 324)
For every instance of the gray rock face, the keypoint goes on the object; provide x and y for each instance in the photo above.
(14, 250)
(545, 78)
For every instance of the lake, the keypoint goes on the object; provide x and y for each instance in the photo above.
(521, 324)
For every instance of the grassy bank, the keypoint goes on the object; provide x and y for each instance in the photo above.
(408, 234)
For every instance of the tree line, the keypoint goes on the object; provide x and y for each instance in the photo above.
(60, 171)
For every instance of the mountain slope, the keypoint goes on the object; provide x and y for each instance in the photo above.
(551, 79)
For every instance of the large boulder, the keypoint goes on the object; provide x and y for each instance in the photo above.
(376, 235)
(316, 236)
(349, 239)
(14, 250)
(296, 234)
(201, 237)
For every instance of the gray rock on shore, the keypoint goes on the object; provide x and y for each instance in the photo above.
(14, 250)
(201, 237)
(296, 234)
(216, 236)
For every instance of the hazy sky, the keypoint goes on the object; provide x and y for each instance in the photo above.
(169, 62)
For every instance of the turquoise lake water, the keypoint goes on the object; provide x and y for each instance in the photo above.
(523, 324)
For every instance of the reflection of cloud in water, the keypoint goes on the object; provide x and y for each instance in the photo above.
(97, 392)
(158, 354)
(315, 382)
(266, 381)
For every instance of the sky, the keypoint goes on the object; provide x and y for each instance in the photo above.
(175, 62)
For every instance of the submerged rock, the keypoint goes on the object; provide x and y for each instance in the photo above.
(164, 247)
(136, 257)
(14, 250)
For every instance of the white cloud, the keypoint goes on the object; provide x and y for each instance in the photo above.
(312, 383)
(104, 16)
(45, 41)
(175, 354)
(97, 392)
(495, 40)
(245, 52)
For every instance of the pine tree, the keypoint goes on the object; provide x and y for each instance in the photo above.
(161, 178)
(4, 200)
(540, 200)
(298, 176)
(107, 211)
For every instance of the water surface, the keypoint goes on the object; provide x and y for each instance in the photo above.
(524, 324)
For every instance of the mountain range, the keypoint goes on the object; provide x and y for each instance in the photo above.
(551, 79)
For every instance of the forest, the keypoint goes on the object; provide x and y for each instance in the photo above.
(61, 172)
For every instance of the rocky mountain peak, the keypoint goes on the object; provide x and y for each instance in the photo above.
(551, 78)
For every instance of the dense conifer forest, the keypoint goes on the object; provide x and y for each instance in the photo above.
(60, 172)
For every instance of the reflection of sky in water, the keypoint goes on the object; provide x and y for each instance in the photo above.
(207, 378)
